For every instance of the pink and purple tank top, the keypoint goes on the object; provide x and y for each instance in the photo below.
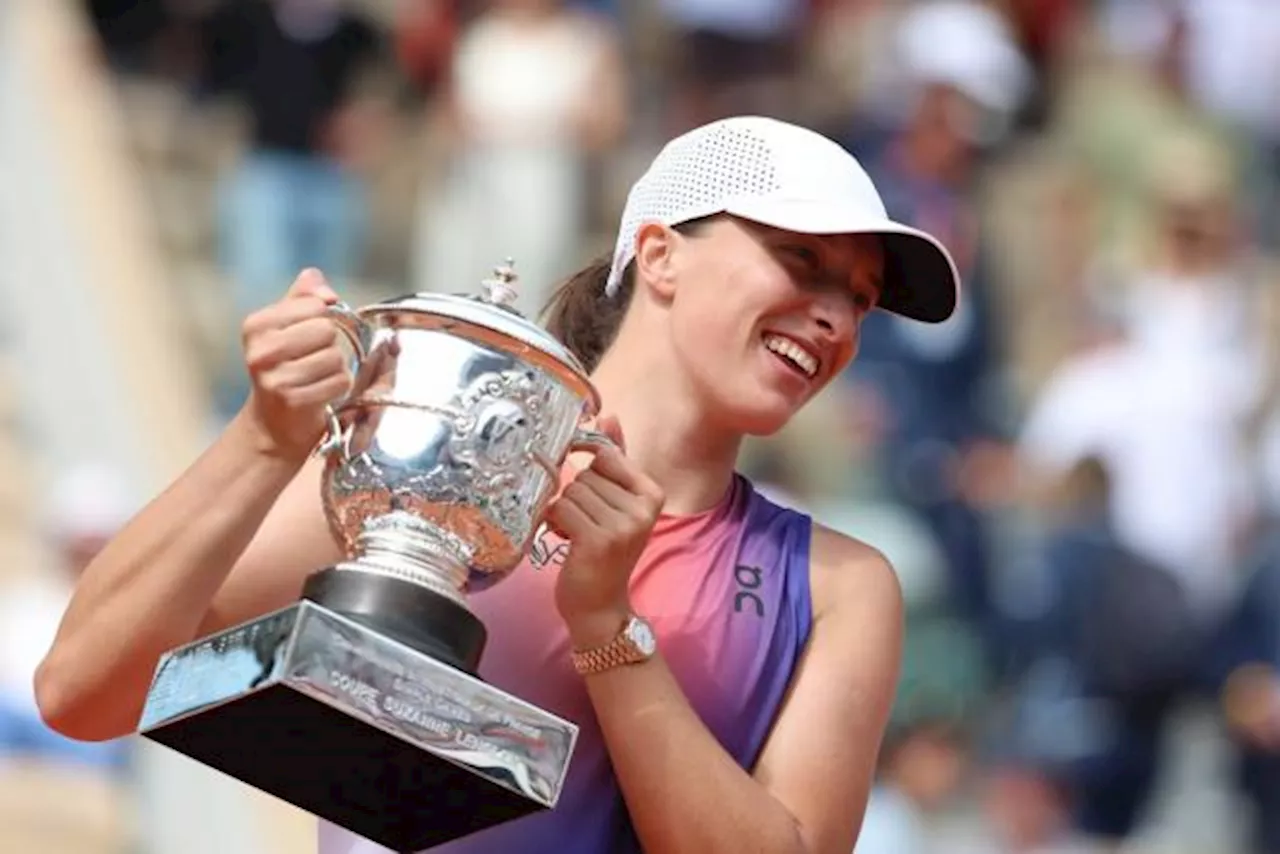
(727, 592)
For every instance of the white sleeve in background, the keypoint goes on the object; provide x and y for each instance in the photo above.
(1079, 408)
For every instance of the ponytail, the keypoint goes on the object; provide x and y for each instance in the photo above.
(583, 317)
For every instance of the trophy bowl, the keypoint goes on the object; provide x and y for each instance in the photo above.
(441, 461)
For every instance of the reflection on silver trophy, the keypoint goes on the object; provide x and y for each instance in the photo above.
(360, 703)
(446, 453)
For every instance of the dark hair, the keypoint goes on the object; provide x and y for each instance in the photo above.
(583, 317)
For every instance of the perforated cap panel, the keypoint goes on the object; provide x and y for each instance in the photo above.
(694, 176)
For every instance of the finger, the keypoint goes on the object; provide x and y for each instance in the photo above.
(311, 282)
(568, 519)
(613, 465)
(323, 391)
(552, 525)
(283, 314)
(295, 342)
(611, 493)
(309, 369)
(595, 507)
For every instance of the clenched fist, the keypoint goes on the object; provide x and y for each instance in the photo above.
(296, 366)
(607, 514)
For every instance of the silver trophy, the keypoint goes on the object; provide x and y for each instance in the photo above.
(360, 703)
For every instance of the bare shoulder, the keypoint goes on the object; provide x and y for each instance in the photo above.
(851, 577)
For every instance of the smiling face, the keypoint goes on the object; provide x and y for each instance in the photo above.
(760, 319)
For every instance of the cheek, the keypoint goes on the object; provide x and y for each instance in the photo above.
(721, 313)
(847, 351)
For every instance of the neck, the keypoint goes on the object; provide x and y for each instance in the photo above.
(667, 434)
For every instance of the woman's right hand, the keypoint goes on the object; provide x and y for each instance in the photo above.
(296, 367)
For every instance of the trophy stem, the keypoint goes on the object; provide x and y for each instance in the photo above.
(403, 546)
(400, 557)
(406, 581)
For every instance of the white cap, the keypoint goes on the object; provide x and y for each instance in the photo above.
(967, 45)
(787, 177)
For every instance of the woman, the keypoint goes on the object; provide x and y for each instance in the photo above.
(748, 255)
(536, 88)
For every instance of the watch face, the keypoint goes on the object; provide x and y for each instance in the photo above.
(641, 634)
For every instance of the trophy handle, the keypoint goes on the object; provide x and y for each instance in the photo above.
(358, 333)
(591, 440)
(360, 336)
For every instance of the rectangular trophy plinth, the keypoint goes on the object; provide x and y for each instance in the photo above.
(357, 729)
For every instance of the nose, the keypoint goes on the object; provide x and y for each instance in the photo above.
(833, 313)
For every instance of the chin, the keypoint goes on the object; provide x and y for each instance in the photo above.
(762, 421)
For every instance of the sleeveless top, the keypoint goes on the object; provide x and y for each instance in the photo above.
(727, 592)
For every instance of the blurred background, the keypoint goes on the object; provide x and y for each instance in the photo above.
(1077, 477)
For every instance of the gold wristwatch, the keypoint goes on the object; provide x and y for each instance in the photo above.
(634, 644)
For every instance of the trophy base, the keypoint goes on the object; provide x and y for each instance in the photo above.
(357, 729)
(399, 609)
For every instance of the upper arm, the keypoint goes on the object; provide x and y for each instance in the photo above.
(820, 758)
(293, 541)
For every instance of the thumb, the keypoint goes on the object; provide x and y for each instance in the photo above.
(311, 282)
(612, 427)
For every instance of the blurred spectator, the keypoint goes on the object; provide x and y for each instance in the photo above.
(1250, 665)
(1119, 644)
(129, 31)
(426, 34)
(934, 388)
(1029, 812)
(611, 9)
(88, 505)
(733, 57)
(920, 768)
(925, 755)
(1042, 211)
(1167, 409)
(1129, 92)
(850, 54)
(58, 796)
(1046, 31)
(535, 86)
(295, 199)
(968, 48)
(1166, 412)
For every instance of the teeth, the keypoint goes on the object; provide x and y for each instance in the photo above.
(793, 352)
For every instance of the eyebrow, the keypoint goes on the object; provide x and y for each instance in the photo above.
(825, 247)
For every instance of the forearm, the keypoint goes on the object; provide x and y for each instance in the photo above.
(151, 586)
(685, 793)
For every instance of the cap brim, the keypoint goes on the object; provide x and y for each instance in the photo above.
(920, 278)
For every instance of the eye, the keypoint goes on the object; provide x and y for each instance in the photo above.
(804, 256)
(865, 297)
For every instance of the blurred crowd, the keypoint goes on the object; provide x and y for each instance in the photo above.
(1077, 476)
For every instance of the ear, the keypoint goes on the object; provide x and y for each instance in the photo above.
(655, 259)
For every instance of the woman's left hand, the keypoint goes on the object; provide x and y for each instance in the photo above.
(606, 514)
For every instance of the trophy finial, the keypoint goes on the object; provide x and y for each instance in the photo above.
(500, 287)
